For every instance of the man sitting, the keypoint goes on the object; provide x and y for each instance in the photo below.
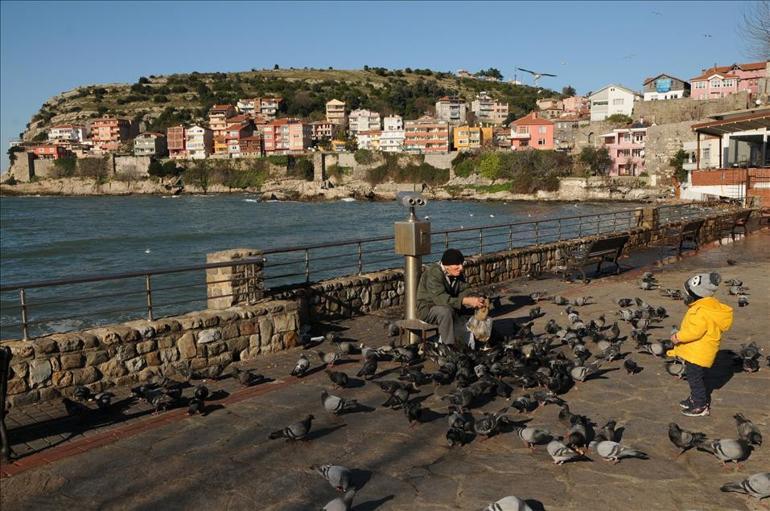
(442, 294)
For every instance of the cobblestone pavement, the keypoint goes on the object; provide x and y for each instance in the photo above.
(223, 460)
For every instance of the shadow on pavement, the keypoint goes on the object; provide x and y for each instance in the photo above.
(320, 433)
(371, 505)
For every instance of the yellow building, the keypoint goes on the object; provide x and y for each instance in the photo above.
(465, 138)
(220, 145)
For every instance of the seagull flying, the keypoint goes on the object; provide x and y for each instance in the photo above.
(536, 75)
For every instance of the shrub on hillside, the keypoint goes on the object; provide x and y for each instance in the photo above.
(280, 160)
(301, 168)
(363, 156)
(65, 167)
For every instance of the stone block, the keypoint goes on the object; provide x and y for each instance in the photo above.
(265, 328)
(45, 346)
(72, 360)
(290, 339)
(190, 322)
(145, 347)
(210, 335)
(276, 343)
(165, 342)
(222, 359)
(152, 358)
(69, 342)
(186, 345)
(198, 363)
(85, 376)
(248, 327)
(21, 349)
(148, 374)
(49, 393)
(169, 355)
(215, 348)
(254, 341)
(237, 344)
(125, 381)
(39, 372)
(113, 369)
(95, 358)
(20, 370)
(124, 352)
(135, 364)
(25, 398)
(17, 386)
(230, 331)
(89, 340)
(61, 379)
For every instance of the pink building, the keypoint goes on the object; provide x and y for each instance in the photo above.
(626, 148)
(720, 81)
(286, 136)
(576, 106)
(533, 132)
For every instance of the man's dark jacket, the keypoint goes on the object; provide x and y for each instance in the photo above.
(435, 289)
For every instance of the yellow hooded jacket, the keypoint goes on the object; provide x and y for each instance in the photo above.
(701, 330)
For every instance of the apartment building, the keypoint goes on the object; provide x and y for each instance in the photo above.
(451, 109)
(335, 112)
(51, 151)
(251, 146)
(393, 135)
(532, 132)
(219, 116)
(269, 106)
(626, 148)
(200, 142)
(720, 81)
(550, 108)
(488, 110)
(108, 133)
(612, 99)
(150, 143)
(286, 136)
(369, 139)
(665, 86)
(235, 133)
(467, 138)
(426, 135)
(576, 106)
(176, 142)
(363, 120)
(72, 133)
(321, 130)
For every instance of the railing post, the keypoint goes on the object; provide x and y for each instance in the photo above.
(148, 289)
(23, 302)
(360, 259)
(598, 223)
(559, 231)
(537, 233)
(307, 265)
(580, 227)
(446, 240)
(481, 241)
(510, 237)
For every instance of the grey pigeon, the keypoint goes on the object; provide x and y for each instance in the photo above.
(339, 378)
(614, 452)
(295, 431)
(561, 453)
(488, 424)
(743, 300)
(393, 329)
(675, 367)
(303, 364)
(510, 503)
(684, 439)
(747, 431)
(337, 405)
(337, 475)
(532, 436)
(368, 369)
(328, 358)
(607, 432)
(580, 373)
(341, 503)
(757, 486)
(726, 449)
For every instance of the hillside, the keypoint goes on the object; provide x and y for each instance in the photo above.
(158, 102)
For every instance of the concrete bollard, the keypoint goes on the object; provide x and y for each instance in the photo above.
(239, 284)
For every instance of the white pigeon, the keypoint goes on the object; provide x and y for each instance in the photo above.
(614, 452)
(341, 503)
(509, 503)
(560, 452)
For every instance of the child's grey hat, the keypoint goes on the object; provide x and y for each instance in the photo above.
(702, 284)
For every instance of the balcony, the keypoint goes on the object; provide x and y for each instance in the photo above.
(520, 136)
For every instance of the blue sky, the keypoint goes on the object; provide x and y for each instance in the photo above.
(47, 48)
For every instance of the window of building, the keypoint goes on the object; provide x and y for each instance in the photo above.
(618, 101)
(541, 129)
(541, 141)
(715, 83)
(728, 83)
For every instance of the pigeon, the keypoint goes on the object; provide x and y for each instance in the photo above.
(747, 431)
(580, 373)
(510, 503)
(566, 416)
(675, 367)
(624, 302)
(82, 393)
(337, 475)
(341, 503)
(457, 436)
(339, 378)
(581, 301)
(607, 432)
(196, 406)
(560, 300)
(331, 337)
(74, 408)
(631, 366)
(534, 313)
(577, 436)
(328, 358)
(725, 449)
(743, 300)
(646, 285)
(560, 453)
(303, 364)
(103, 400)
(757, 486)
(393, 329)
(738, 290)
(532, 436)
(295, 431)
(368, 369)
(683, 439)
(734, 282)
(614, 452)
(524, 404)
(247, 378)
(413, 411)
(337, 405)
(201, 392)
(398, 398)
(488, 424)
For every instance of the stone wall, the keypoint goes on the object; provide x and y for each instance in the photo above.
(133, 352)
(132, 166)
(662, 143)
(687, 109)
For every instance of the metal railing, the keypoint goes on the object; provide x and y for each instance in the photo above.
(43, 307)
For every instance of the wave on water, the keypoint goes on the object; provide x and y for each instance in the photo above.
(347, 199)
(250, 200)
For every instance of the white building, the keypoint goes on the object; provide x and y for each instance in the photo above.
(451, 109)
(489, 110)
(368, 139)
(248, 106)
(363, 120)
(612, 99)
(199, 142)
(392, 135)
(67, 133)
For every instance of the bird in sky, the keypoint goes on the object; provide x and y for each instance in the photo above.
(657, 13)
(707, 35)
(535, 74)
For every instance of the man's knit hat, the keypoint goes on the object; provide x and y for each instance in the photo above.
(452, 256)
(702, 284)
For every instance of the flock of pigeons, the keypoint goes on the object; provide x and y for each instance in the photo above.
(527, 370)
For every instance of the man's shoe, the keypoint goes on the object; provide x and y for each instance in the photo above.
(685, 403)
(701, 411)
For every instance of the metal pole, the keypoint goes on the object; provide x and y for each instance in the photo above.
(481, 241)
(360, 259)
(412, 267)
(148, 287)
(510, 237)
(537, 233)
(23, 302)
(307, 265)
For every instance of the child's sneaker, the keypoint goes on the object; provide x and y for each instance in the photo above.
(685, 403)
(701, 411)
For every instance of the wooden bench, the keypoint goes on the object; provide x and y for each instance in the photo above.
(764, 216)
(417, 327)
(739, 221)
(599, 251)
(689, 232)
(5, 367)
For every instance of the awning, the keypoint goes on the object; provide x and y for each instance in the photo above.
(735, 122)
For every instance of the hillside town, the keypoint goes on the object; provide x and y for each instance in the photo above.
(608, 118)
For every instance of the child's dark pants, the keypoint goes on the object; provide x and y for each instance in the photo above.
(695, 377)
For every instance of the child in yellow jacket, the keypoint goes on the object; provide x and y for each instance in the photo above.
(697, 340)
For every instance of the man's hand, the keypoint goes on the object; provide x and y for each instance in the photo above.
(474, 302)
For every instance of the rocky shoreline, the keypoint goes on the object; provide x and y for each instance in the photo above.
(291, 189)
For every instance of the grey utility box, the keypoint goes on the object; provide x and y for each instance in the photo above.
(412, 238)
